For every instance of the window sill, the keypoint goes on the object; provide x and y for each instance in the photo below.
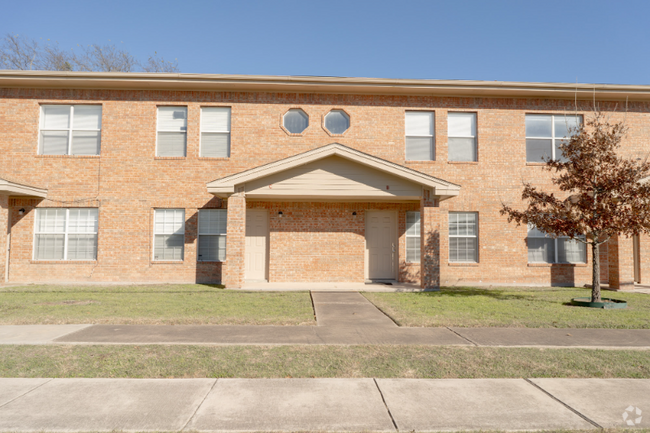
(412, 263)
(426, 161)
(167, 262)
(463, 162)
(210, 261)
(548, 265)
(214, 158)
(463, 264)
(536, 164)
(70, 156)
(63, 262)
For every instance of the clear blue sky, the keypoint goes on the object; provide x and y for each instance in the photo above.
(551, 41)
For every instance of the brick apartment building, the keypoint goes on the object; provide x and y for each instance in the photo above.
(111, 177)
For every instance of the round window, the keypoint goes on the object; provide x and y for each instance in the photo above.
(295, 121)
(337, 121)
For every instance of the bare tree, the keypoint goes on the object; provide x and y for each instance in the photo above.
(605, 194)
(19, 52)
(106, 58)
(158, 64)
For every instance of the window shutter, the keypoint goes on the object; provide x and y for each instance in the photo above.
(54, 143)
(215, 119)
(55, 117)
(419, 123)
(215, 145)
(172, 119)
(87, 117)
(171, 144)
(419, 149)
(85, 143)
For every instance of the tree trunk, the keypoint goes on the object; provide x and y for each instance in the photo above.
(595, 275)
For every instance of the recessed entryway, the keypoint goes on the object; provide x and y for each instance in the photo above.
(257, 245)
(381, 245)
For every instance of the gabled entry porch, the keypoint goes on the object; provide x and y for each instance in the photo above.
(332, 214)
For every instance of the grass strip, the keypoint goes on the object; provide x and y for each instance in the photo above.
(156, 361)
(511, 307)
(162, 304)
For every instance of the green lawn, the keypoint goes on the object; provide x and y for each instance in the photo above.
(511, 307)
(156, 304)
(160, 361)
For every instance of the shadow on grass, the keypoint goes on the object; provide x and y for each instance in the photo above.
(497, 294)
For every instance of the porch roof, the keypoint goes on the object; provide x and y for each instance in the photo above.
(256, 182)
(15, 187)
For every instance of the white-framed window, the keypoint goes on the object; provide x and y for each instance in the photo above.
(169, 234)
(461, 132)
(70, 130)
(543, 248)
(419, 136)
(215, 132)
(463, 237)
(412, 237)
(545, 133)
(172, 131)
(212, 235)
(65, 234)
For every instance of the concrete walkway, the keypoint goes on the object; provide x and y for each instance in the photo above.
(342, 318)
(382, 405)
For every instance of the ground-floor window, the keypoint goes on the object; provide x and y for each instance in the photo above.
(542, 248)
(66, 234)
(212, 235)
(169, 234)
(463, 237)
(413, 237)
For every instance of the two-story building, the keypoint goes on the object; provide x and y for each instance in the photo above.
(133, 177)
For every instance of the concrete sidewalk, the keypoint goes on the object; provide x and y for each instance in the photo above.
(343, 318)
(381, 405)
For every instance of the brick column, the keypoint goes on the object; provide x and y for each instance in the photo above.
(620, 258)
(4, 229)
(233, 271)
(429, 241)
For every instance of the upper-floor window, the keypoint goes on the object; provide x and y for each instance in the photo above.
(65, 234)
(545, 133)
(337, 121)
(419, 136)
(212, 235)
(172, 131)
(215, 132)
(70, 130)
(542, 248)
(462, 136)
(413, 237)
(169, 234)
(463, 237)
(295, 121)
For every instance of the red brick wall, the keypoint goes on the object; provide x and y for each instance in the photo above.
(127, 181)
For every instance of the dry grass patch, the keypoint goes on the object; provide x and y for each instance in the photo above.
(164, 304)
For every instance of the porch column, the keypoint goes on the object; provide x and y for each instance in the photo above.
(4, 230)
(429, 241)
(233, 270)
(620, 251)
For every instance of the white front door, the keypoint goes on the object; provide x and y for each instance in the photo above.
(381, 245)
(257, 241)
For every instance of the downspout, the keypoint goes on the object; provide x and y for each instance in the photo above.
(8, 250)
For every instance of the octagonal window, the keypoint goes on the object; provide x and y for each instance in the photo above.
(337, 121)
(295, 121)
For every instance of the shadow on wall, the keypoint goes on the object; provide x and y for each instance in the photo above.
(562, 275)
(430, 272)
(207, 272)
